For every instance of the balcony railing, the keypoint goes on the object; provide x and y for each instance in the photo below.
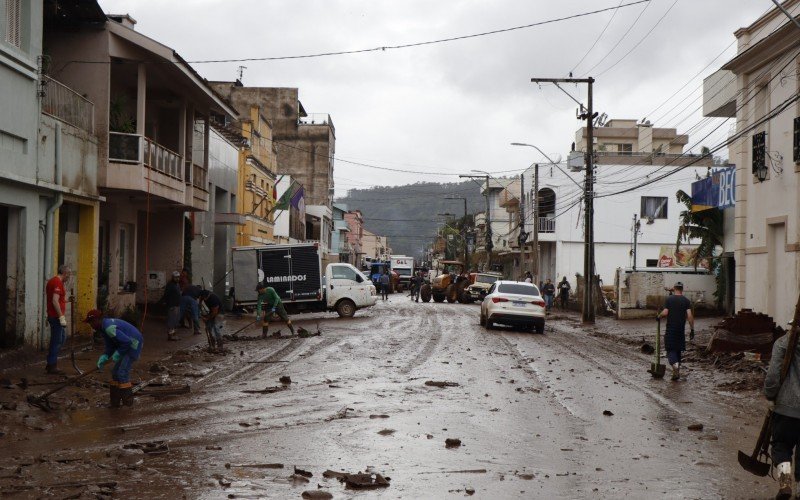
(124, 148)
(63, 103)
(547, 225)
(162, 159)
(199, 177)
(316, 119)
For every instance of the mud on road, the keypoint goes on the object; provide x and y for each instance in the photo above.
(571, 413)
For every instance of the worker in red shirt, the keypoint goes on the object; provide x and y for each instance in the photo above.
(56, 295)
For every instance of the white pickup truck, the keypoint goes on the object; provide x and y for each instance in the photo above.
(296, 274)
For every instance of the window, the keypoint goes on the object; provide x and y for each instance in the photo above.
(14, 22)
(126, 256)
(654, 207)
(759, 152)
(796, 142)
(518, 289)
(344, 273)
(625, 148)
(123, 254)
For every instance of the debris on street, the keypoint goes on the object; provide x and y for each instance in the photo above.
(452, 442)
(746, 331)
(436, 383)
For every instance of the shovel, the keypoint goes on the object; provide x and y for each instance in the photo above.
(657, 370)
(42, 402)
(758, 462)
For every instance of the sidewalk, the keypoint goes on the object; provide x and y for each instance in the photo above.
(728, 372)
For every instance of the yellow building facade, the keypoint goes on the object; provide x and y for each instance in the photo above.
(257, 176)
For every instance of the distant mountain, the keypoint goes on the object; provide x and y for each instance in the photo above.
(408, 214)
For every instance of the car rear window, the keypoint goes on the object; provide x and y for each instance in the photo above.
(482, 278)
(518, 289)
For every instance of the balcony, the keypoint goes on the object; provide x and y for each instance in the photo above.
(63, 103)
(547, 225)
(137, 163)
(637, 158)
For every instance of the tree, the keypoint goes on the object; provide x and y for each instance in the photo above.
(705, 226)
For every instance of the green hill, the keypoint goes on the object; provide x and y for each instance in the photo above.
(408, 214)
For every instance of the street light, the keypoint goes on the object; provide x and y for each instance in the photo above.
(555, 164)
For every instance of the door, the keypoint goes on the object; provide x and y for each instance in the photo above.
(345, 282)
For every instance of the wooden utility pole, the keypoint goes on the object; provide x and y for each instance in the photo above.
(523, 236)
(536, 223)
(588, 313)
(636, 225)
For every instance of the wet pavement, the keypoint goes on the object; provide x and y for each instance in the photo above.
(572, 413)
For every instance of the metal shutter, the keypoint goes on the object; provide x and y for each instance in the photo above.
(13, 22)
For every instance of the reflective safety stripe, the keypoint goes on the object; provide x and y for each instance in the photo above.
(125, 385)
(111, 330)
(134, 344)
(113, 383)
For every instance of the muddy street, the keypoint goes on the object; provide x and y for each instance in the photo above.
(566, 414)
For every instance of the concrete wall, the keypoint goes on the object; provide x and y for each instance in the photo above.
(211, 242)
(304, 150)
(641, 293)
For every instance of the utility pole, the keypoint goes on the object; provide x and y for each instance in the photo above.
(536, 223)
(523, 235)
(636, 225)
(588, 313)
(488, 245)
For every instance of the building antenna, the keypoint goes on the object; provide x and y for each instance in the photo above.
(241, 72)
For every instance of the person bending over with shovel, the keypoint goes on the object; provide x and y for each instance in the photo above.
(123, 345)
(677, 310)
(267, 295)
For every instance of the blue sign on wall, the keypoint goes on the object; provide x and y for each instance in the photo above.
(718, 191)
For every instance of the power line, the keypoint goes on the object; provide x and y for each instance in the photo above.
(613, 15)
(640, 40)
(618, 41)
(384, 48)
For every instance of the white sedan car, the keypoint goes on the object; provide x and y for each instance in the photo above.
(513, 303)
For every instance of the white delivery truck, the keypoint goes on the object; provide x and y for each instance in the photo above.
(296, 274)
(404, 267)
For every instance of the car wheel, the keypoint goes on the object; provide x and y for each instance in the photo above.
(346, 308)
(483, 320)
(438, 297)
(489, 324)
(540, 328)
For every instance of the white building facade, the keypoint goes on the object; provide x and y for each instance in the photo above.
(760, 89)
(561, 204)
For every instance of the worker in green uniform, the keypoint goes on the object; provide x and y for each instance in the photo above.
(269, 297)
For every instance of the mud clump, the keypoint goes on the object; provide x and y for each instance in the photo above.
(317, 495)
(286, 380)
(695, 427)
(440, 383)
(452, 443)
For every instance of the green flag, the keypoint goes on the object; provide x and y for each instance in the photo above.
(283, 202)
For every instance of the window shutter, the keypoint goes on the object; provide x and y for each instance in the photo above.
(796, 142)
(13, 22)
(759, 151)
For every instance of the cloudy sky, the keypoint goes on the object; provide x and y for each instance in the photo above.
(455, 106)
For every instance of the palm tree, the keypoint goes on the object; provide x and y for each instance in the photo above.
(705, 226)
